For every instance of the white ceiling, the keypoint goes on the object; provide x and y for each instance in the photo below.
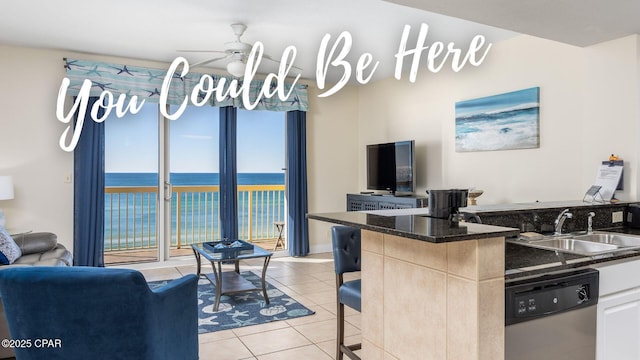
(576, 22)
(155, 29)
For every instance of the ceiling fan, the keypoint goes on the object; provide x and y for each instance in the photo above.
(237, 51)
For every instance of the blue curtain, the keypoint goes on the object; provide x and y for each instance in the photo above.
(297, 224)
(228, 169)
(88, 193)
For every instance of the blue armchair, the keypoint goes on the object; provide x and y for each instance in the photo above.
(98, 313)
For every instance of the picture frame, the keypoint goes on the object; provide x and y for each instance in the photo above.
(505, 121)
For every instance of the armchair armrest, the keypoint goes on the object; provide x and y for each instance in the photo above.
(179, 298)
(38, 242)
(182, 285)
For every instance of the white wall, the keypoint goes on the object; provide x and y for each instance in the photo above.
(588, 109)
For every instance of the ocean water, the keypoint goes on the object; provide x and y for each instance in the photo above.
(130, 219)
(151, 179)
(498, 130)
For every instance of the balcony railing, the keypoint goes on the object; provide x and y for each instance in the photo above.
(130, 215)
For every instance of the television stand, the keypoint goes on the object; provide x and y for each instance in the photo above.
(359, 202)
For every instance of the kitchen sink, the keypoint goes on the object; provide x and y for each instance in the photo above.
(621, 240)
(581, 247)
(591, 244)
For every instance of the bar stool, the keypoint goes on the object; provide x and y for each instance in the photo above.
(346, 258)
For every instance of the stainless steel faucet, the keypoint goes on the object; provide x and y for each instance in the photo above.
(590, 222)
(564, 215)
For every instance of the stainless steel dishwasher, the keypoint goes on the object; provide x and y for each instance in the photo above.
(552, 316)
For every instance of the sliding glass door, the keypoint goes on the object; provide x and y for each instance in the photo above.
(261, 178)
(131, 187)
(193, 174)
(162, 182)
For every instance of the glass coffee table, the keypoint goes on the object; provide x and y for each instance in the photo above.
(230, 251)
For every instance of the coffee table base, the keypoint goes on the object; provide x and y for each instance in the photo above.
(229, 282)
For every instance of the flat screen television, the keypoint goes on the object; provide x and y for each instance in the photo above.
(391, 167)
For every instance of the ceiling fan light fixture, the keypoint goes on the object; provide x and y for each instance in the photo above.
(236, 68)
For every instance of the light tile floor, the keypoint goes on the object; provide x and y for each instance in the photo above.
(311, 281)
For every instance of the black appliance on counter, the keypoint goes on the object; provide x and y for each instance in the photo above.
(633, 215)
(445, 204)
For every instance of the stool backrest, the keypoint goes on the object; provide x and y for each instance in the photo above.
(346, 249)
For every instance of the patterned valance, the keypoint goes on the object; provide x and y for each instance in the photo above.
(146, 83)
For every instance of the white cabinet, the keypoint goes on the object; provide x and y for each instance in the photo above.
(618, 329)
(618, 319)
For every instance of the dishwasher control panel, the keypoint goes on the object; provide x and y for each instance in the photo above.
(550, 294)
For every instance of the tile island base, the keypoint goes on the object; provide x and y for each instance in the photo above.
(424, 300)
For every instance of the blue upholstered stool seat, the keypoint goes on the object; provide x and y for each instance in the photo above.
(346, 258)
(349, 294)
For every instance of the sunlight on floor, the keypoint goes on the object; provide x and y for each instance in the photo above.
(309, 280)
(302, 260)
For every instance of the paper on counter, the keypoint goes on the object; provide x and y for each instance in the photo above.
(608, 177)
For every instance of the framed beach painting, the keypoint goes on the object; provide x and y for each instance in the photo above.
(499, 122)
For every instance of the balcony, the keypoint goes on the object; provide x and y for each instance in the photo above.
(131, 225)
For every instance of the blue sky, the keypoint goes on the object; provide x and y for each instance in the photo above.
(497, 102)
(132, 141)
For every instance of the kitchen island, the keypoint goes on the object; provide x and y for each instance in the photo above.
(431, 289)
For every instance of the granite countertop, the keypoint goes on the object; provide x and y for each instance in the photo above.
(524, 261)
(417, 227)
(547, 205)
(520, 261)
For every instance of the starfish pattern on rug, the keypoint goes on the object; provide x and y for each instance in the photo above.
(242, 309)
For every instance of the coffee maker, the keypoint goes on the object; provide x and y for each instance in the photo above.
(445, 204)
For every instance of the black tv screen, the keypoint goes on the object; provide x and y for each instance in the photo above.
(390, 167)
(381, 165)
(404, 166)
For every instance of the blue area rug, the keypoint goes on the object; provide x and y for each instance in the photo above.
(242, 309)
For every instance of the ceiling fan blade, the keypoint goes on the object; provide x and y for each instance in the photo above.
(274, 60)
(204, 62)
(203, 51)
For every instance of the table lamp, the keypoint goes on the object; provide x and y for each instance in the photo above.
(6, 193)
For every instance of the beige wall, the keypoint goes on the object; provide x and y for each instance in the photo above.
(332, 158)
(612, 106)
(29, 134)
(588, 109)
